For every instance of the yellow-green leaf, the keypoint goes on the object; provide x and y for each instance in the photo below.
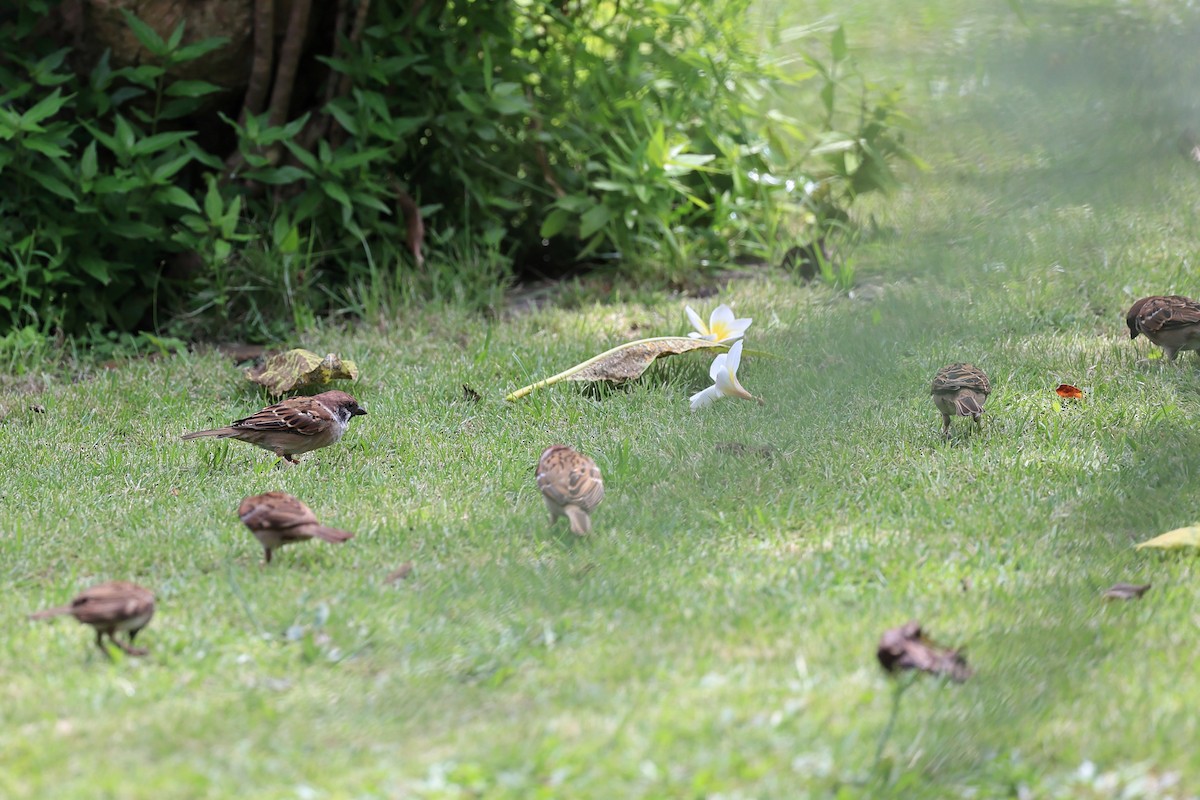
(1180, 537)
(297, 368)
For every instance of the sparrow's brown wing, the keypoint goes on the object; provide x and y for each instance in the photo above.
(568, 477)
(300, 415)
(112, 603)
(1162, 314)
(275, 511)
(953, 377)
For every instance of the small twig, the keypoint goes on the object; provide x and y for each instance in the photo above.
(539, 152)
(901, 686)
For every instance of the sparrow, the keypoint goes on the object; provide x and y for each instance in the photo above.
(277, 518)
(571, 485)
(110, 607)
(960, 389)
(1172, 322)
(297, 425)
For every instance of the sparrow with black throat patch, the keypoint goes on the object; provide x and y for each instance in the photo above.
(297, 425)
(278, 518)
(960, 390)
(571, 485)
(109, 608)
(1172, 322)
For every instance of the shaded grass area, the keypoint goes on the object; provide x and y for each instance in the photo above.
(716, 635)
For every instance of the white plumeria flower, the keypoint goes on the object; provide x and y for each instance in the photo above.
(725, 383)
(721, 327)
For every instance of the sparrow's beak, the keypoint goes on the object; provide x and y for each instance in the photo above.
(358, 411)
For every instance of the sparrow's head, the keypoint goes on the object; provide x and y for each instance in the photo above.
(1132, 317)
(342, 403)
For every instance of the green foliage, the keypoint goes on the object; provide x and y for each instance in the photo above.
(643, 133)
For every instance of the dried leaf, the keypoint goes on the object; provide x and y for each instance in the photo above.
(401, 573)
(415, 225)
(1070, 392)
(623, 362)
(907, 648)
(286, 371)
(1126, 591)
(470, 395)
(1180, 537)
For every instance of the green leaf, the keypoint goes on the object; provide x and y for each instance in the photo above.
(279, 176)
(159, 141)
(191, 89)
(838, 47)
(343, 118)
(125, 138)
(166, 170)
(196, 49)
(593, 220)
(95, 267)
(469, 102)
(555, 221)
(176, 35)
(336, 192)
(88, 163)
(46, 107)
(46, 147)
(176, 197)
(509, 98)
(213, 205)
(148, 37)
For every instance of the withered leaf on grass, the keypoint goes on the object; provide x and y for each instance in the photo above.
(298, 368)
(623, 362)
(907, 648)
(1070, 392)
(1126, 591)
(470, 395)
(400, 573)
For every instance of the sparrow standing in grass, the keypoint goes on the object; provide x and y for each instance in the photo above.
(277, 518)
(110, 607)
(571, 485)
(1172, 322)
(297, 425)
(960, 390)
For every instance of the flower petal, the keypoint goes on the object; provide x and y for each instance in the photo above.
(694, 318)
(718, 365)
(722, 314)
(735, 358)
(705, 398)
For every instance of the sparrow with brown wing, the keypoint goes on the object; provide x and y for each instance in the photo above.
(278, 518)
(571, 485)
(960, 390)
(110, 607)
(1171, 322)
(297, 425)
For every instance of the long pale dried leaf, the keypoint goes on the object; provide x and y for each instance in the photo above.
(623, 362)
(1180, 537)
(907, 647)
(298, 368)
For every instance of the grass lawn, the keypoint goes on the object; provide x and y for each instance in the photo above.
(715, 636)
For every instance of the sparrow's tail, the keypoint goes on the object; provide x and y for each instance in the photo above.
(581, 522)
(51, 612)
(216, 433)
(968, 406)
(332, 535)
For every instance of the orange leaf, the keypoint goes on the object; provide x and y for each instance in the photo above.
(1069, 391)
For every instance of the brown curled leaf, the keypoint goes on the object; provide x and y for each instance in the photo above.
(299, 368)
(1070, 392)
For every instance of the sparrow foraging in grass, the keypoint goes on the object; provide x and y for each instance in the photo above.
(110, 607)
(297, 425)
(278, 518)
(960, 390)
(571, 485)
(1171, 322)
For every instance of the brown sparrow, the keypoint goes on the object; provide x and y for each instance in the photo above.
(297, 425)
(110, 607)
(277, 518)
(1172, 322)
(571, 485)
(960, 389)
